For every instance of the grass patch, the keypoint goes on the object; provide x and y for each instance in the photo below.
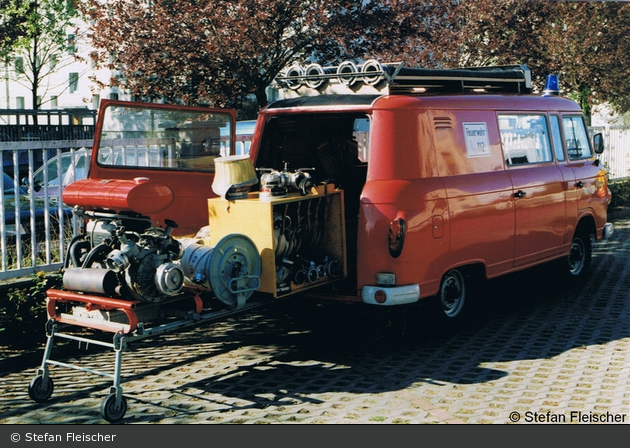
(620, 190)
(15, 257)
(23, 312)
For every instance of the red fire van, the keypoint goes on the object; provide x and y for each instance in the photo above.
(460, 174)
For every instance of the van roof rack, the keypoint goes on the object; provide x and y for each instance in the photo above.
(395, 78)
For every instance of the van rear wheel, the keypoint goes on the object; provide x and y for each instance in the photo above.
(453, 299)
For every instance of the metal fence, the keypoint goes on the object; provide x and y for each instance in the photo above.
(36, 230)
(35, 226)
(616, 156)
(46, 124)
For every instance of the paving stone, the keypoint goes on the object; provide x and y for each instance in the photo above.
(532, 347)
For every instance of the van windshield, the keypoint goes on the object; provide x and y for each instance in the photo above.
(329, 146)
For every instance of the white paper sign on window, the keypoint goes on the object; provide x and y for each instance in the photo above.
(477, 141)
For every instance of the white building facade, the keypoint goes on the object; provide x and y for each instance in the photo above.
(67, 86)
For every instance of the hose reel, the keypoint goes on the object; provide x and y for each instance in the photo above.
(231, 269)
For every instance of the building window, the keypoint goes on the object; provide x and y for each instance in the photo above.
(19, 65)
(113, 96)
(73, 82)
(53, 102)
(93, 59)
(19, 102)
(96, 100)
(72, 46)
(53, 61)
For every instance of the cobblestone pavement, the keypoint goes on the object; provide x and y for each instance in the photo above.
(530, 348)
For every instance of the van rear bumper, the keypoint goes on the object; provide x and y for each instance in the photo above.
(394, 295)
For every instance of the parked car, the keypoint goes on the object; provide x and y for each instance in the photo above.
(244, 135)
(40, 210)
(69, 173)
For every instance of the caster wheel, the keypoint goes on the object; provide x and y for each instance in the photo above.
(39, 389)
(110, 411)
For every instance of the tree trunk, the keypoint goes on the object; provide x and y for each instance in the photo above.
(261, 97)
(585, 93)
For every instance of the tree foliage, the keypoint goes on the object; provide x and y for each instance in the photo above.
(13, 24)
(44, 40)
(583, 42)
(218, 51)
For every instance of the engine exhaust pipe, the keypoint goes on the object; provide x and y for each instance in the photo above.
(96, 281)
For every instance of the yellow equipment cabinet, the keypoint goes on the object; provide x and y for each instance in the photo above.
(301, 239)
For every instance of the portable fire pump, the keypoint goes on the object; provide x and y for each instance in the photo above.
(126, 275)
(122, 255)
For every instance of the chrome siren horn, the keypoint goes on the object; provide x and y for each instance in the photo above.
(347, 73)
(372, 72)
(294, 76)
(314, 76)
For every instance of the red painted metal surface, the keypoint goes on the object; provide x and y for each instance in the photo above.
(139, 195)
(461, 210)
(91, 302)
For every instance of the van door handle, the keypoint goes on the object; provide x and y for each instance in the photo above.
(519, 194)
(579, 184)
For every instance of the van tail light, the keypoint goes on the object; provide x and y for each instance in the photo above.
(397, 231)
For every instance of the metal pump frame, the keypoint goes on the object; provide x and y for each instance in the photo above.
(114, 405)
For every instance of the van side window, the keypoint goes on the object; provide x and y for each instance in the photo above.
(578, 146)
(556, 136)
(525, 138)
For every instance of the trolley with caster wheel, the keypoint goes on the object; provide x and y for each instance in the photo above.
(114, 405)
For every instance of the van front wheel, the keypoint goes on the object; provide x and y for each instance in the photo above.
(578, 262)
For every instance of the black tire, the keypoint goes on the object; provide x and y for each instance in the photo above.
(576, 265)
(39, 389)
(110, 411)
(453, 300)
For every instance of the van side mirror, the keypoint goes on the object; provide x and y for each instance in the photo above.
(598, 143)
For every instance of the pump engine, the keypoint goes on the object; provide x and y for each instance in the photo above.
(112, 259)
(123, 254)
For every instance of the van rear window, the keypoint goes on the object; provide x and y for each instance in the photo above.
(525, 138)
(168, 139)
